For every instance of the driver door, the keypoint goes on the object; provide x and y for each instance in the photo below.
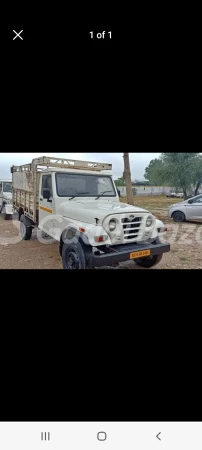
(46, 209)
(195, 209)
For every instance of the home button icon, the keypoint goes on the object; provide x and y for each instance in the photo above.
(102, 436)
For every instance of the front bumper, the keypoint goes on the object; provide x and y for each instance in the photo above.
(121, 253)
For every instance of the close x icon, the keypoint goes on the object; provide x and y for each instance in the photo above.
(17, 35)
(27, 35)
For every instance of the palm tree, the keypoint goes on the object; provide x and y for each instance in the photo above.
(127, 177)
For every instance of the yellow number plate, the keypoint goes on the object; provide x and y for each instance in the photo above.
(141, 254)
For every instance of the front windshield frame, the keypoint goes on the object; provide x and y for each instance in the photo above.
(5, 183)
(93, 195)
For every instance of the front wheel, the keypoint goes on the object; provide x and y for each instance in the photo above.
(178, 216)
(75, 256)
(149, 262)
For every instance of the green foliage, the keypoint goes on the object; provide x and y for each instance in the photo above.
(120, 182)
(197, 173)
(181, 170)
(155, 172)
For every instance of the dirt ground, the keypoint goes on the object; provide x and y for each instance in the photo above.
(185, 240)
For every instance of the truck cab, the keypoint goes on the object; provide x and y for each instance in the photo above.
(75, 196)
(6, 199)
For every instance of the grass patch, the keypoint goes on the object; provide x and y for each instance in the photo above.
(153, 201)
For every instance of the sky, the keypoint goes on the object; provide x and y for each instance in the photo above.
(139, 161)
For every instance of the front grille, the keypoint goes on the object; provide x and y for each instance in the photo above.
(131, 228)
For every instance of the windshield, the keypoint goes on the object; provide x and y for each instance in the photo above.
(83, 185)
(7, 187)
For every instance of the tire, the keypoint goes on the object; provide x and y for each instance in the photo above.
(20, 213)
(75, 256)
(150, 261)
(25, 231)
(7, 216)
(178, 216)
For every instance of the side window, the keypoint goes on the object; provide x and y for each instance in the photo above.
(47, 184)
(199, 200)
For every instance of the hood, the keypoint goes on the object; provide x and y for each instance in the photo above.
(87, 211)
(179, 204)
(7, 195)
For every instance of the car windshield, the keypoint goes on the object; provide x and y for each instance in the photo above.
(83, 185)
(7, 187)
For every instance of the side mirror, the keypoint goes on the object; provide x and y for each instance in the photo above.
(190, 202)
(46, 193)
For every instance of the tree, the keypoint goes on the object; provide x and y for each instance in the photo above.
(197, 173)
(120, 182)
(127, 177)
(180, 170)
(155, 172)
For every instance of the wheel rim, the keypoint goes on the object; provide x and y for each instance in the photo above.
(72, 260)
(178, 217)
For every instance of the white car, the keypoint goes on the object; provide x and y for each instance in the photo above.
(190, 209)
(171, 194)
(180, 195)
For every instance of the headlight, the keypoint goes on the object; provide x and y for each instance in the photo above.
(149, 221)
(112, 225)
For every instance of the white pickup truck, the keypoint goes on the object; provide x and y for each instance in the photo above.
(6, 199)
(77, 204)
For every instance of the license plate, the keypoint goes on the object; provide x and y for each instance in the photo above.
(140, 254)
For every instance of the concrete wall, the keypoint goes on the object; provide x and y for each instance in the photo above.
(148, 190)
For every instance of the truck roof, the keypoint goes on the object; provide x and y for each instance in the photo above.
(5, 180)
(55, 163)
(76, 171)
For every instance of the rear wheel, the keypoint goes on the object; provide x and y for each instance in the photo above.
(178, 216)
(25, 231)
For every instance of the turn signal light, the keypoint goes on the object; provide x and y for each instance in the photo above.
(100, 238)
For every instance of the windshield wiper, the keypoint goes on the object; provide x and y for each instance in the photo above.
(101, 194)
(79, 193)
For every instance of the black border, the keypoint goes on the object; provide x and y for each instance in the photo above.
(120, 356)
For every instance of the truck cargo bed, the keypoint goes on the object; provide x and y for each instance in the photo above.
(26, 193)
